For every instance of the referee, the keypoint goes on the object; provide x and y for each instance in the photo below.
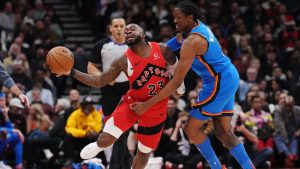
(103, 54)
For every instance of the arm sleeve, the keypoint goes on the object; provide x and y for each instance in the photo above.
(279, 124)
(95, 56)
(173, 44)
(5, 78)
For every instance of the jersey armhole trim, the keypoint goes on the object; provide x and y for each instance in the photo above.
(196, 33)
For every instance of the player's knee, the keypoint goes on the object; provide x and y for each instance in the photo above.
(144, 149)
(187, 129)
(221, 133)
(190, 129)
(225, 136)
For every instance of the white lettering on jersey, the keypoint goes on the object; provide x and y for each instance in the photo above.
(211, 35)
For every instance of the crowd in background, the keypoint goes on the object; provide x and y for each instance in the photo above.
(261, 37)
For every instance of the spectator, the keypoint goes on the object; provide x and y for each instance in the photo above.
(22, 57)
(16, 114)
(42, 75)
(287, 124)
(83, 126)
(43, 126)
(54, 30)
(37, 61)
(37, 98)
(260, 157)
(7, 18)
(14, 51)
(163, 146)
(5, 121)
(55, 136)
(46, 94)
(261, 123)
(35, 113)
(246, 84)
(39, 11)
(81, 63)
(40, 32)
(19, 74)
(270, 61)
(182, 154)
(276, 86)
(12, 139)
(61, 106)
(58, 129)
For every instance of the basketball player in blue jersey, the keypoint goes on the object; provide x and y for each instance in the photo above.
(202, 52)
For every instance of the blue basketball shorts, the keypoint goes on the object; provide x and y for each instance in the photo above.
(217, 96)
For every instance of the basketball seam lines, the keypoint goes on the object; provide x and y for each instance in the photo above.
(48, 61)
(59, 64)
(65, 56)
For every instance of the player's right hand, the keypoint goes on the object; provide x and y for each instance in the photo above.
(66, 73)
(138, 107)
(179, 37)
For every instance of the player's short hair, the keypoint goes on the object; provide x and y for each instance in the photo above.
(189, 8)
(116, 18)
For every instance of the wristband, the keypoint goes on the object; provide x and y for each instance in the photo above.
(173, 44)
(72, 73)
(181, 89)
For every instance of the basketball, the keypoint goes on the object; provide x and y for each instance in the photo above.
(59, 60)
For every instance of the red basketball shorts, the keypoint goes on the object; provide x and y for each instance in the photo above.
(150, 123)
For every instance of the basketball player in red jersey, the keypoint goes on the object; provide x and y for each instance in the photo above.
(145, 64)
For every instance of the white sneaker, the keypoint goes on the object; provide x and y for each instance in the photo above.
(4, 166)
(90, 151)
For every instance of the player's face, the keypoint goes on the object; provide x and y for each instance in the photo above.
(180, 20)
(133, 35)
(117, 28)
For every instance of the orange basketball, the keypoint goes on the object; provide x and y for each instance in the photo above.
(60, 59)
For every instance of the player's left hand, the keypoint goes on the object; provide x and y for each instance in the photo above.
(24, 99)
(138, 107)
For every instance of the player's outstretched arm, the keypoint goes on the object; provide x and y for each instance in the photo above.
(105, 77)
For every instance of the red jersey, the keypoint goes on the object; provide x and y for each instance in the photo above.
(147, 75)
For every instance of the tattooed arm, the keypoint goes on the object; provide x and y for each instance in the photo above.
(105, 77)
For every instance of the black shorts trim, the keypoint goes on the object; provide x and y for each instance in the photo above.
(151, 130)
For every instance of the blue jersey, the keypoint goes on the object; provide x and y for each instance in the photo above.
(220, 78)
(214, 60)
